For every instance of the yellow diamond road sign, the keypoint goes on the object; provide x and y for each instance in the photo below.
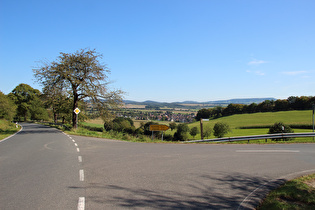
(77, 111)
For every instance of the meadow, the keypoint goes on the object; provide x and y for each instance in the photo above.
(255, 124)
(263, 120)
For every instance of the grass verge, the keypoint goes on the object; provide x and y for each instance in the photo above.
(112, 135)
(295, 194)
(7, 129)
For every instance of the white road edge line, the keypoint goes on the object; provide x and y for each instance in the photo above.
(81, 203)
(81, 175)
(80, 159)
(12, 134)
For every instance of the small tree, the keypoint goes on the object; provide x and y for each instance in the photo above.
(207, 132)
(280, 127)
(182, 132)
(220, 129)
(193, 131)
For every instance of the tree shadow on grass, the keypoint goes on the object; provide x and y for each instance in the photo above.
(217, 191)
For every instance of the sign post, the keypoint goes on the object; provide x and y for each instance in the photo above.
(159, 128)
(77, 111)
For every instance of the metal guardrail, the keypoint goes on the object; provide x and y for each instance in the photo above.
(256, 137)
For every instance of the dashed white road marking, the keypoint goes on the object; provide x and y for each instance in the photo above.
(81, 203)
(268, 151)
(81, 175)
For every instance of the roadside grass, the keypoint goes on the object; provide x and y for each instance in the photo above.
(112, 135)
(7, 129)
(295, 194)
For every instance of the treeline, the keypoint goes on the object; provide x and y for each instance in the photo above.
(25, 103)
(291, 103)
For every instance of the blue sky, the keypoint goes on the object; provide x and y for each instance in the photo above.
(169, 50)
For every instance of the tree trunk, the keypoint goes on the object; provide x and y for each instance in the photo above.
(55, 115)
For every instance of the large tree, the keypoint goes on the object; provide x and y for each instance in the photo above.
(83, 77)
(28, 101)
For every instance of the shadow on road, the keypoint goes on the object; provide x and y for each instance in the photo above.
(217, 191)
(32, 128)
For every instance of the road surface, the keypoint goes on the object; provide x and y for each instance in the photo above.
(42, 168)
(39, 169)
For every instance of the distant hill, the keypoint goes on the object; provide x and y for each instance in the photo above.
(242, 101)
(230, 101)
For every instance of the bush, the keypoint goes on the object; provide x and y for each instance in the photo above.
(280, 127)
(220, 129)
(193, 131)
(172, 125)
(146, 128)
(120, 124)
(182, 132)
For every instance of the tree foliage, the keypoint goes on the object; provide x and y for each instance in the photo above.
(7, 107)
(280, 127)
(207, 130)
(182, 132)
(220, 129)
(292, 103)
(120, 124)
(29, 102)
(82, 77)
(172, 125)
(194, 131)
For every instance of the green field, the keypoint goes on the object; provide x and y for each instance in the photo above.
(266, 119)
(260, 119)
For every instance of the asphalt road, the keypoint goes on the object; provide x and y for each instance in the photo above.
(39, 169)
(44, 168)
